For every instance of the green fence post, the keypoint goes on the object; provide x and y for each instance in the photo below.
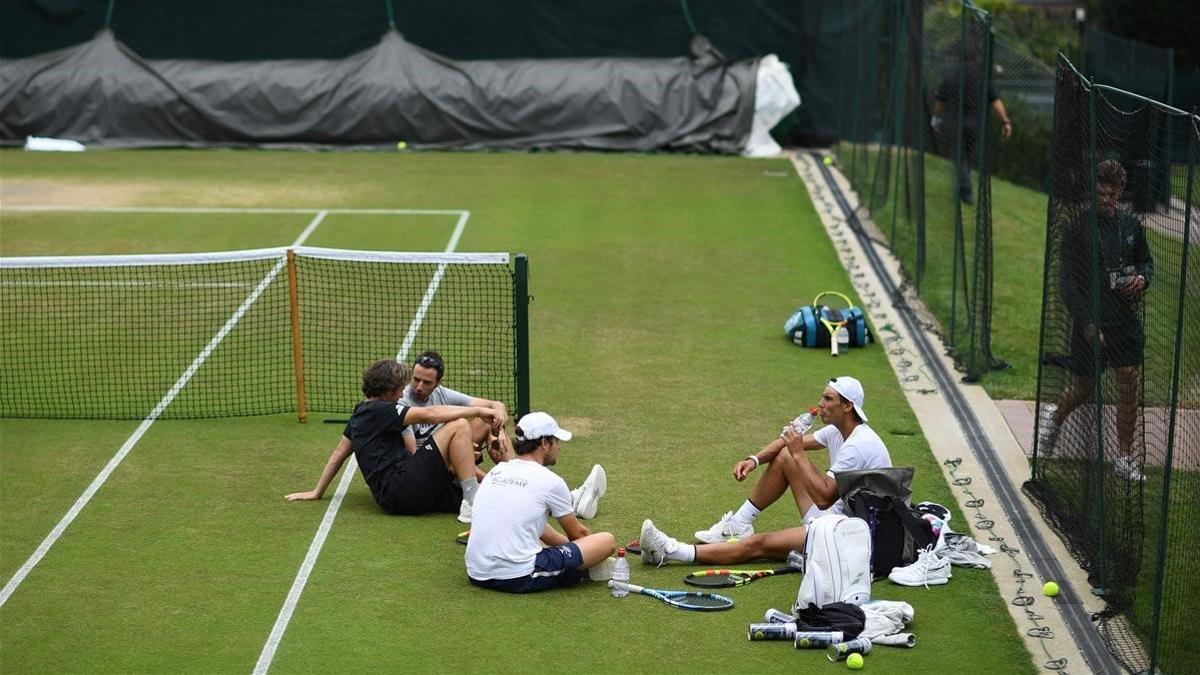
(959, 255)
(976, 323)
(1038, 419)
(1168, 464)
(521, 310)
(1097, 380)
(919, 32)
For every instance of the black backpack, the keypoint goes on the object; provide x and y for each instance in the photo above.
(898, 533)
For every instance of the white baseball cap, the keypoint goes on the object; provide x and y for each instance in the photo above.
(537, 425)
(851, 389)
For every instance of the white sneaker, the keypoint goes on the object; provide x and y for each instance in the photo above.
(464, 512)
(657, 547)
(1128, 468)
(1048, 431)
(586, 497)
(724, 530)
(928, 570)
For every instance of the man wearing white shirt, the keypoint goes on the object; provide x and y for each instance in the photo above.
(852, 446)
(512, 548)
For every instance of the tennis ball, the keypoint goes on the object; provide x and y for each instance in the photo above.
(1050, 589)
(400, 145)
(854, 662)
(828, 162)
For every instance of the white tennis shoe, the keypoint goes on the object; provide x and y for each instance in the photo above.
(657, 547)
(1128, 468)
(1048, 431)
(725, 529)
(928, 570)
(464, 512)
(586, 497)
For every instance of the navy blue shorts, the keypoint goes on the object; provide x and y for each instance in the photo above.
(553, 568)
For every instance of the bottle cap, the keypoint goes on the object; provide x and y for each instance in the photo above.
(621, 552)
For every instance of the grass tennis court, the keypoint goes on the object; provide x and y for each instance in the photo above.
(660, 285)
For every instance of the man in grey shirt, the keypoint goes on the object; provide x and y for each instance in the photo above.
(425, 389)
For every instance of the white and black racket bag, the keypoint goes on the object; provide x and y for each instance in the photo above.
(837, 562)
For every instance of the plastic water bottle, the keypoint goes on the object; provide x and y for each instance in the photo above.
(803, 423)
(620, 572)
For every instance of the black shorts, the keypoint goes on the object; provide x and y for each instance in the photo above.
(1124, 346)
(423, 484)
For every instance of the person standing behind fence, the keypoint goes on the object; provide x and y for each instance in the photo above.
(1126, 269)
(966, 80)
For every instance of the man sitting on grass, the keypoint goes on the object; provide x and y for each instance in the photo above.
(512, 547)
(438, 476)
(852, 446)
(426, 389)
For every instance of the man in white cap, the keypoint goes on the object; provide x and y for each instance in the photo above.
(512, 548)
(852, 446)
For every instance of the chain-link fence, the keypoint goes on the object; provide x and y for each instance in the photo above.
(1117, 454)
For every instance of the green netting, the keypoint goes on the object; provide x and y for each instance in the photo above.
(1117, 454)
(1127, 64)
(915, 89)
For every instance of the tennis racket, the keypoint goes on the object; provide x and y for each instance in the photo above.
(733, 578)
(462, 537)
(634, 547)
(690, 600)
(832, 308)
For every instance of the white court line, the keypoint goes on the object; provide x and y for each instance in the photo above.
(220, 209)
(348, 471)
(116, 460)
(121, 284)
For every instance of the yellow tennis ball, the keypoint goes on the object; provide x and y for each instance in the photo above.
(828, 160)
(854, 662)
(1050, 589)
(758, 635)
(400, 145)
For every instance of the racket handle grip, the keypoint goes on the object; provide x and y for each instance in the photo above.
(621, 585)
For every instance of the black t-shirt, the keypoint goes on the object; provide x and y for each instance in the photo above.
(375, 434)
(1124, 252)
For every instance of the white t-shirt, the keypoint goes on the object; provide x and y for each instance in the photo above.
(863, 450)
(509, 515)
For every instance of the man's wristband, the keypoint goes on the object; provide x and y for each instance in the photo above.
(754, 458)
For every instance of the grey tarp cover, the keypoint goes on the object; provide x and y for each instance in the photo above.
(104, 95)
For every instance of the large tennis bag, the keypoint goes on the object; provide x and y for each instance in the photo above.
(804, 326)
(837, 562)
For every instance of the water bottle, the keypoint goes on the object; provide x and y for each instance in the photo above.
(803, 423)
(620, 572)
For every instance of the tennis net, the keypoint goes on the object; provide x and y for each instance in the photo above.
(250, 332)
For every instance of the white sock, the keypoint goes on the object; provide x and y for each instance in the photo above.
(469, 487)
(684, 553)
(746, 514)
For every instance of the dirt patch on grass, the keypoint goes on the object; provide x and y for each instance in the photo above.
(580, 426)
(166, 194)
(49, 193)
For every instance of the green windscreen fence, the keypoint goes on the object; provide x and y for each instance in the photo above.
(916, 89)
(1117, 452)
